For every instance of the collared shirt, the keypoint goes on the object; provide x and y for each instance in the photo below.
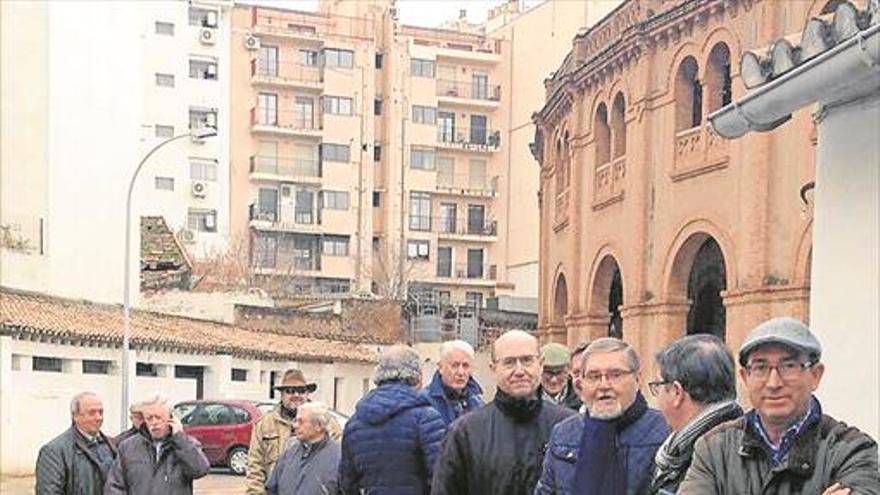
(780, 452)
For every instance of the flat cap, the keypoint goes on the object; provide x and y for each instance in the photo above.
(555, 355)
(784, 331)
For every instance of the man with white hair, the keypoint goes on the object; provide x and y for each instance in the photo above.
(160, 459)
(76, 462)
(310, 465)
(453, 391)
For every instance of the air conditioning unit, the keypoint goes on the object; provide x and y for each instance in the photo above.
(251, 42)
(211, 72)
(199, 188)
(211, 222)
(207, 35)
(187, 236)
(211, 120)
(211, 19)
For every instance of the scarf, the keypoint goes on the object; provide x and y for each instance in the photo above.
(600, 467)
(674, 456)
(522, 410)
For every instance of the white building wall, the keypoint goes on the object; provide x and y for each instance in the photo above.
(845, 285)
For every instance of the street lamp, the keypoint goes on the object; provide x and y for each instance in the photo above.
(199, 133)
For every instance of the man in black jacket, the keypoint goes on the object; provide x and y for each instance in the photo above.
(498, 449)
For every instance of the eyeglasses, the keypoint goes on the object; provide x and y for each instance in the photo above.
(510, 363)
(614, 376)
(787, 369)
(560, 373)
(654, 387)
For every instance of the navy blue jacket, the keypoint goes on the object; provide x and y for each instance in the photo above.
(450, 409)
(390, 443)
(639, 443)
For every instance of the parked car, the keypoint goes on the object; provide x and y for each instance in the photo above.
(223, 427)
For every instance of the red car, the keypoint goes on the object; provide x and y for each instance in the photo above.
(223, 427)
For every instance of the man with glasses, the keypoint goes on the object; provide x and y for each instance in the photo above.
(611, 448)
(785, 444)
(497, 449)
(557, 385)
(272, 432)
(695, 391)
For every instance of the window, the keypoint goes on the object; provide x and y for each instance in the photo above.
(480, 86)
(377, 106)
(602, 138)
(334, 285)
(165, 183)
(377, 199)
(202, 17)
(268, 60)
(335, 245)
(445, 171)
(335, 153)
(422, 68)
(200, 169)
(308, 58)
(203, 69)
(200, 118)
(336, 200)
(448, 217)
(377, 152)
(164, 131)
(267, 108)
(42, 363)
(165, 80)
(264, 251)
(379, 57)
(202, 220)
(444, 261)
(475, 263)
(418, 250)
(419, 211)
(422, 159)
(688, 96)
(267, 204)
(424, 115)
(304, 207)
(335, 57)
(304, 112)
(93, 367)
(166, 28)
(337, 105)
(239, 375)
(474, 299)
(146, 369)
(618, 126)
(477, 175)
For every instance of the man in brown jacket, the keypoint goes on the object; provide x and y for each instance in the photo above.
(785, 445)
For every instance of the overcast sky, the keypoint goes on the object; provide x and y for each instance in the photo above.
(427, 13)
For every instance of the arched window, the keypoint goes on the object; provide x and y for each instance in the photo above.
(602, 135)
(560, 301)
(718, 84)
(558, 161)
(618, 126)
(688, 96)
(566, 159)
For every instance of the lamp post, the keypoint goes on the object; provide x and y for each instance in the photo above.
(199, 133)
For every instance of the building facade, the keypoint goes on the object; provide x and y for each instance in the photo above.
(652, 227)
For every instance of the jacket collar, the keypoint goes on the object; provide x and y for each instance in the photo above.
(79, 441)
(437, 389)
(801, 457)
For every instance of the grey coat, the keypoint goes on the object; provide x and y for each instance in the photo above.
(731, 459)
(66, 466)
(302, 471)
(139, 471)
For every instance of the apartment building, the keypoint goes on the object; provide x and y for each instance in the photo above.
(369, 156)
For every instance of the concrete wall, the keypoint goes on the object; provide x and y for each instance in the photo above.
(845, 288)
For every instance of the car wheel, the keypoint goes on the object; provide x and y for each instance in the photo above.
(238, 460)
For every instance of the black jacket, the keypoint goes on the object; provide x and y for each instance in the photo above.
(489, 452)
(67, 466)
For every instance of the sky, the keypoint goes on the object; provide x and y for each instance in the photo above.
(425, 13)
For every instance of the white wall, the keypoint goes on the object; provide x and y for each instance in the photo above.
(845, 275)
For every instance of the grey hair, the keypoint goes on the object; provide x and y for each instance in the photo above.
(703, 365)
(74, 402)
(156, 400)
(608, 345)
(399, 363)
(319, 412)
(510, 334)
(449, 346)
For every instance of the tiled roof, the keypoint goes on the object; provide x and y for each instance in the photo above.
(164, 262)
(35, 315)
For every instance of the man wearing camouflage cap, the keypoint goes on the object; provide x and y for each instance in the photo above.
(556, 383)
(785, 444)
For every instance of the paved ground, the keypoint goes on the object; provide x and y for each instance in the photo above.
(219, 482)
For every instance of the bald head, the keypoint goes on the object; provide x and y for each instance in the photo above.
(514, 337)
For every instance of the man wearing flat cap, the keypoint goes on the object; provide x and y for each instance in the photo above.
(272, 433)
(785, 444)
(556, 382)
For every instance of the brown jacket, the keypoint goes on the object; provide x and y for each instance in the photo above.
(732, 459)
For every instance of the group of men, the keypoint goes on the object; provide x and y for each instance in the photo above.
(560, 423)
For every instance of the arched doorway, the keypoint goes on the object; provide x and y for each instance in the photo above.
(707, 279)
(615, 301)
(606, 296)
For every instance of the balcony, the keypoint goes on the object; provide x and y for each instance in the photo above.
(467, 272)
(309, 27)
(286, 218)
(287, 75)
(271, 168)
(466, 229)
(699, 151)
(467, 185)
(468, 93)
(465, 139)
(608, 183)
(295, 124)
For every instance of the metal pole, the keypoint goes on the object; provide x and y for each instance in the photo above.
(127, 378)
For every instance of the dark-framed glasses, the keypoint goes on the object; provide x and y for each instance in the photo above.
(654, 386)
(787, 370)
(613, 376)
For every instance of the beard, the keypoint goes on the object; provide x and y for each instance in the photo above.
(606, 411)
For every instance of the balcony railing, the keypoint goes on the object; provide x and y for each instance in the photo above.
(472, 271)
(466, 184)
(608, 182)
(286, 73)
(308, 168)
(697, 151)
(468, 90)
(288, 120)
(286, 217)
(479, 138)
(465, 226)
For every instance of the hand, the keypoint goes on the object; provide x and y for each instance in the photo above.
(836, 489)
(175, 425)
